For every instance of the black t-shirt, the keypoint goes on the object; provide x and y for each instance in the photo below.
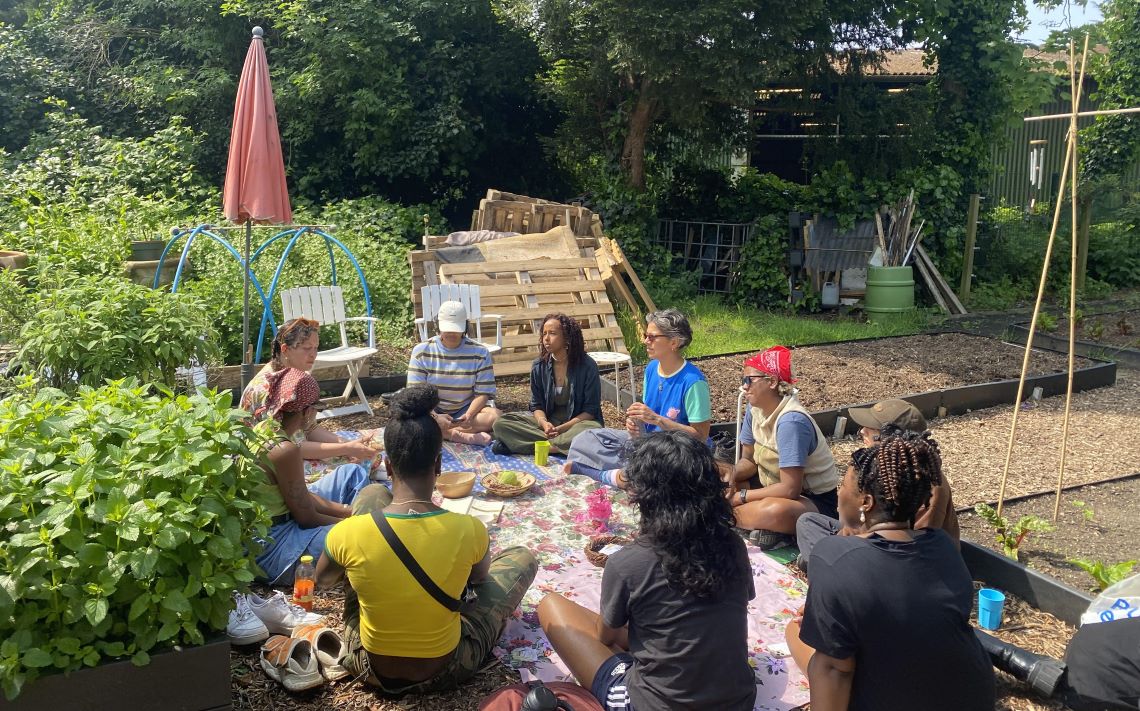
(688, 653)
(902, 609)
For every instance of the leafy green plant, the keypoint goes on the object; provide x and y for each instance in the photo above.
(1085, 509)
(128, 523)
(760, 278)
(1046, 322)
(1095, 330)
(1105, 574)
(1011, 536)
(96, 329)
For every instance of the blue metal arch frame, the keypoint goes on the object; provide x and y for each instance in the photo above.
(266, 299)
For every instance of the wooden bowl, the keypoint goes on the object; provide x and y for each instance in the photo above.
(492, 484)
(455, 485)
(597, 543)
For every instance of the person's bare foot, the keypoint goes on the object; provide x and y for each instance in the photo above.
(480, 439)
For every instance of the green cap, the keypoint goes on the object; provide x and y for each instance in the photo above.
(899, 413)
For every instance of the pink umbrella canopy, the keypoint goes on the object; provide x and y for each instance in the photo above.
(255, 172)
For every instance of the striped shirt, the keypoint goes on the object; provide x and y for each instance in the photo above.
(459, 374)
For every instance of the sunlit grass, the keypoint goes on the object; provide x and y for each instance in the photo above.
(723, 328)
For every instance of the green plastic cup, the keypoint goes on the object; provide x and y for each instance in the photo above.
(541, 453)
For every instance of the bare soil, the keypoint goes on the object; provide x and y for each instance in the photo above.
(1120, 329)
(1095, 522)
(839, 374)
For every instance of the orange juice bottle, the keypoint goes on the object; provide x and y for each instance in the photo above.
(304, 580)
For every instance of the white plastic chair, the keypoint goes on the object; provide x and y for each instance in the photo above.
(325, 305)
(468, 295)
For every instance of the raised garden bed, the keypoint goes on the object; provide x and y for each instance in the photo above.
(1110, 336)
(1095, 522)
(190, 679)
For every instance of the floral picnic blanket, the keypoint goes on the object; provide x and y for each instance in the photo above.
(550, 520)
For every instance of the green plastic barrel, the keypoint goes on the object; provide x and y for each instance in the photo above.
(890, 290)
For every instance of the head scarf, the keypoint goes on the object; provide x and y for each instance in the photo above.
(290, 390)
(775, 362)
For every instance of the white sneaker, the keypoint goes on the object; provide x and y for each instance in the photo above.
(244, 627)
(279, 614)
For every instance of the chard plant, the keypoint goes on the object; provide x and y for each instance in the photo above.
(1105, 574)
(127, 523)
(1011, 535)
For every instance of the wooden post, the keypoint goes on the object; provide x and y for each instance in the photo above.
(971, 236)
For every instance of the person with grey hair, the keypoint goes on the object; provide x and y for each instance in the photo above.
(676, 398)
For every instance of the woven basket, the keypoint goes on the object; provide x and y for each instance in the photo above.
(491, 483)
(597, 543)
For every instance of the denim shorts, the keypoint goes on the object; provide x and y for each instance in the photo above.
(609, 683)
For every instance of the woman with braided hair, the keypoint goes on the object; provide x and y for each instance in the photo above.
(886, 624)
(565, 393)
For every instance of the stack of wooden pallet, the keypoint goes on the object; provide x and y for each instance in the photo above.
(524, 278)
(508, 212)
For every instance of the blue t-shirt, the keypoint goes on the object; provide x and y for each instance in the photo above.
(795, 437)
(682, 397)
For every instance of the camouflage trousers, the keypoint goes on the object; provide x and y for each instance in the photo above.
(512, 572)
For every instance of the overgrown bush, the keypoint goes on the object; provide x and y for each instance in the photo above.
(760, 277)
(95, 329)
(74, 198)
(128, 523)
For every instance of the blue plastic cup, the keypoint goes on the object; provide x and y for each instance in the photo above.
(990, 605)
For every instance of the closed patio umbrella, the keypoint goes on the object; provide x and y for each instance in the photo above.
(255, 189)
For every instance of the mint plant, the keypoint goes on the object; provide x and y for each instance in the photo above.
(93, 329)
(128, 521)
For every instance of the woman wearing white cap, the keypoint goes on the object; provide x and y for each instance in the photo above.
(461, 371)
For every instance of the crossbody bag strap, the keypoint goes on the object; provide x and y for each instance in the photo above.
(410, 563)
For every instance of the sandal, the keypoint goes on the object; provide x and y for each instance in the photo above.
(291, 662)
(328, 646)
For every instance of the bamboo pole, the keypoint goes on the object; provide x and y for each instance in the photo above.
(1083, 114)
(1076, 94)
(1033, 323)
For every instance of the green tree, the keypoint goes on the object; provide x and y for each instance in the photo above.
(632, 73)
(1112, 144)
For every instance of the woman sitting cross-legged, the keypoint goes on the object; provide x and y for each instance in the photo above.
(303, 516)
(295, 346)
(783, 447)
(401, 638)
(676, 398)
(886, 626)
(565, 393)
(672, 633)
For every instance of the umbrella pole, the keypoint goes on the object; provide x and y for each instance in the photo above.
(246, 356)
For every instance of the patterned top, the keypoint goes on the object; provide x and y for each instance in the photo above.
(460, 374)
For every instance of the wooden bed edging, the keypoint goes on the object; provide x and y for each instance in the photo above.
(1127, 357)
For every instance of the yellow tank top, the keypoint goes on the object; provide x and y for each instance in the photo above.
(397, 616)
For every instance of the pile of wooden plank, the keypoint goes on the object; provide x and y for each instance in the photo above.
(508, 212)
(524, 278)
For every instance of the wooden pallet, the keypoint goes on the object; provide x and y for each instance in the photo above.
(525, 290)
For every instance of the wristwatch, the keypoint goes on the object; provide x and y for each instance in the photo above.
(744, 496)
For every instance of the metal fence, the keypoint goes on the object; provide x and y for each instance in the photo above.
(710, 248)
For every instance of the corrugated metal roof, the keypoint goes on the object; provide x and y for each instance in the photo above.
(830, 250)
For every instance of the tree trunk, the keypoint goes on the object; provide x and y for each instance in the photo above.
(1085, 217)
(637, 128)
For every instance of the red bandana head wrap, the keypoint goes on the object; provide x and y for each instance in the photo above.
(776, 362)
(290, 390)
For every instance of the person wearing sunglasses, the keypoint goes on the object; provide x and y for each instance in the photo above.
(676, 398)
(295, 346)
(783, 451)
